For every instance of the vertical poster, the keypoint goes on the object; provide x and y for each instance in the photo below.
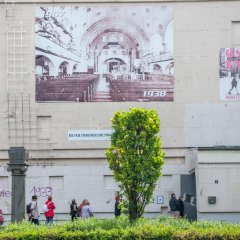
(229, 73)
(104, 54)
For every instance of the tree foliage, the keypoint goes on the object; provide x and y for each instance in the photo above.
(136, 157)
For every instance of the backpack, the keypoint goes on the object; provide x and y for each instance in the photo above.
(28, 208)
(75, 207)
(45, 208)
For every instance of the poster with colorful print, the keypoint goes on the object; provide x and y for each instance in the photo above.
(229, 73)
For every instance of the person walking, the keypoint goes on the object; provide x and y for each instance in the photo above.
(117, 210)
(34, 212)
(79, 213)
(49, 214)
(234, 83)
(86, 210)
(1, 217)
(181, 206)
(73, 210)
(173, 204)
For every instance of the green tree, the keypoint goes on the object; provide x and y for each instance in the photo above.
(136, 157)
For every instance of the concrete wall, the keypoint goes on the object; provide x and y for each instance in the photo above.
(217, 174)
(195, 118)
(79, 179)
(212, 124)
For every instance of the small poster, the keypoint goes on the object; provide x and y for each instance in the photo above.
(89, 135)
(160, 199)
(229, 73)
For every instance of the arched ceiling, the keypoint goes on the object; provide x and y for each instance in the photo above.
(131, 33)
(84, 26)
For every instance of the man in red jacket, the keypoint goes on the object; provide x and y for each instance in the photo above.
(50, 213)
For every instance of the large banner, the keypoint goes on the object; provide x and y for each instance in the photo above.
(229, 73)
(104, 54)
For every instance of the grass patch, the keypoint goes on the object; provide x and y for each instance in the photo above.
(121, 229)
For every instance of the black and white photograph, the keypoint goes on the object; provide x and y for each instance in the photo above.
(104, 54)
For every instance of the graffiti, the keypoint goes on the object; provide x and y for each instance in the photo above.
(38, 191)
(41, 191)
(5, 194)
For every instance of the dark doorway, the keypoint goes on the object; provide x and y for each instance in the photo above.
(112, 65)
(63, 68)
(188, 188)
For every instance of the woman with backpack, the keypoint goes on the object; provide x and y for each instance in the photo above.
(73, 210)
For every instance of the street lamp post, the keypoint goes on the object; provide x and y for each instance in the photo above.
(18, 168)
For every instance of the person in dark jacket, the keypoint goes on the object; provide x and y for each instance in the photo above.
(174, 206)
(181, 206)
(117, 210)
(234, 85)
(73, 210)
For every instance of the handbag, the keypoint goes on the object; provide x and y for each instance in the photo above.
(45, 208)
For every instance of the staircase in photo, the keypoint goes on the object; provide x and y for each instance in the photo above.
(102, 93)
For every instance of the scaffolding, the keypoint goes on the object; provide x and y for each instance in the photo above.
(9, 6)
(23, 129)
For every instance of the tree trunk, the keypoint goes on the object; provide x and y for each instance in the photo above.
(133, 211)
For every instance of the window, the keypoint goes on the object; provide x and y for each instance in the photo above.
(166, 181)
(44, 124)
(4, 183)
(235, 33)
(56, 182)
(109, 182)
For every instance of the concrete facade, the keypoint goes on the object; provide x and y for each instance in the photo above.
(196, 118)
